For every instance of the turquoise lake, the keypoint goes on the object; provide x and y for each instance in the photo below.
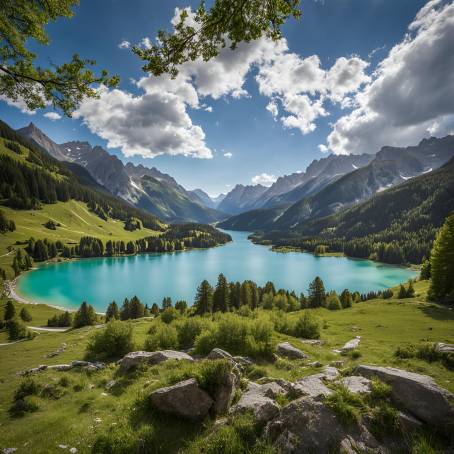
(153, 276)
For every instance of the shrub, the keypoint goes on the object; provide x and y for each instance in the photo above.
(17, 329)
(50, 391)
(333, 302)
(169, 315)
(112, 341)
(189, 329)
(406, 351)
(384, 420)
(237, 335)
(307, 327)
(379, 390)
(28, 387)
(163, 337)
(213, 374)
(25, 315)
(345, 404)
(19, 407)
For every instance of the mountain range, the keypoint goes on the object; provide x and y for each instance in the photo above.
(391, 166)
(143, 187)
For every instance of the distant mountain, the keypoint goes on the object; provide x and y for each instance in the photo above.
(200, 196)
(397, 225)
(320, 173)
(390, 167)
(144, 187)
(241, 198)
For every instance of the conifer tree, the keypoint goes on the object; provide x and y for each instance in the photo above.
(10, 311)
(85, 316)
(317, 295)
(410, 290)
(154, 309)
(125, 311)
(402, 292)
(221, 295)
(346, 299)
(112, 312)
(181, 306)
(166, 303)
(136, 308)
(204, 298)
(442, 264)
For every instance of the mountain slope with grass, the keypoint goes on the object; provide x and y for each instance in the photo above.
(146, 188)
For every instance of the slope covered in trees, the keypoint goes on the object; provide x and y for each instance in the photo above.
(395, 226)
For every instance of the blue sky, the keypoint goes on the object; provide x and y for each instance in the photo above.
(242, 137)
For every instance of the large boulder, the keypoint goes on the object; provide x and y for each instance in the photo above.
(254, 400)
(288, 350)
(418, 394)
(312, 386)
(133, 359)
(306, 425)
(357, 384)
(223, 395)
(218, 353)
(185, 399)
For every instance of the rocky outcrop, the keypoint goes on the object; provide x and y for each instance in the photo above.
(87, 365)
(306, 425)
(133, 359)
(445, 348)
(418, 394)
(185, 399)
(256, 401)
(351, 344)
(312, 386)
(357, 385)
(288, 350)
(223, 395)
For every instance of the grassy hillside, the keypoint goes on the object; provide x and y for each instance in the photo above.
(75, 222)
(87, 409)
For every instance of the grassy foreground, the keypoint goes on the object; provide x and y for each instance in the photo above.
(84, 408)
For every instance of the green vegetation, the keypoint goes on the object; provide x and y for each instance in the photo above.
(114, 341)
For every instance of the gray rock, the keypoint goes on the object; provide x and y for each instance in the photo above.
(330, 373)
(351, 344)
(272, 390)
(185, 399)
(312, 341)
(218, 353)
(418, 394)
(356, 384)
(254, 400)
(315, 364)
(288, 350)
(312, 386)
(408, 422)
(133, 359)
(60, 367)
(445, 348)
(243, 361)
(223, 395)
(306, 425)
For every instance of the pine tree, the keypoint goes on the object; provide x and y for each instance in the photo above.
(25, 315)
(10, 311)
(136, 308)
(221, 300)
(181, 306)
(346, 299)
(425, 269)
(112, 312)
(154, 309)
(333, 302)
(402, 292)
(166, 303)
(442, 264)
(204, 298)
(410, 290)
(85, 316)
(317, 295)
(125, 311)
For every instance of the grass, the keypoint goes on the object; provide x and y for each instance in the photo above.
(71, 419)
(75, 219)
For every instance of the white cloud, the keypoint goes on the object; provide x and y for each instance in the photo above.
(323, 148)
(411, 91)
(146, 42)
(264, 179)
(272, 108)
(52, 116)
(124, 45)
(19, 103)
(228, 155)
(209, 109)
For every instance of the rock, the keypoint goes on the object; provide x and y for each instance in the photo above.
(285, 349)
(418, 394)
(306, 425)
(9, 450)
(351, 344)
(133, 359)
(357, 385)
(445, 348)
(312, 386)
(73, 450)
(315, 364)
(88, 365)
(408, 422)
(272, 390)
(312, 341)
(243, 361)
(110, 384)
(223, 395)
(254, 400)
(330, 373)
(60, 367)
(218, 353)
(185, 399)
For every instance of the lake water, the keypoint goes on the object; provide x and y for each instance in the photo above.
(153, 276)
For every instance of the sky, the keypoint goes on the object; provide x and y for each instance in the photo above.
(350, 77)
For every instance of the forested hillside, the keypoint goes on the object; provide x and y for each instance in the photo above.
(395, 226)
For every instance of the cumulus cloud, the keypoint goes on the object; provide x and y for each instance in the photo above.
(323, 148)
(264, 179)
(19, 103)
(272, 108)
(52, 116)
(209, 109)
(124, 45)
(411, 91)
(228, 155)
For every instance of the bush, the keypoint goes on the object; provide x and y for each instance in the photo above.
(384, 420)
(17, 329)
(114, 340)
(379, 390)
(19, 407)
(162, 337)
(307, 327)
(25, 315)
(169, 315)
(406, 351)
(189, 329)
(237, 335)
(345, 404)
(28, 387)
(213, 374)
